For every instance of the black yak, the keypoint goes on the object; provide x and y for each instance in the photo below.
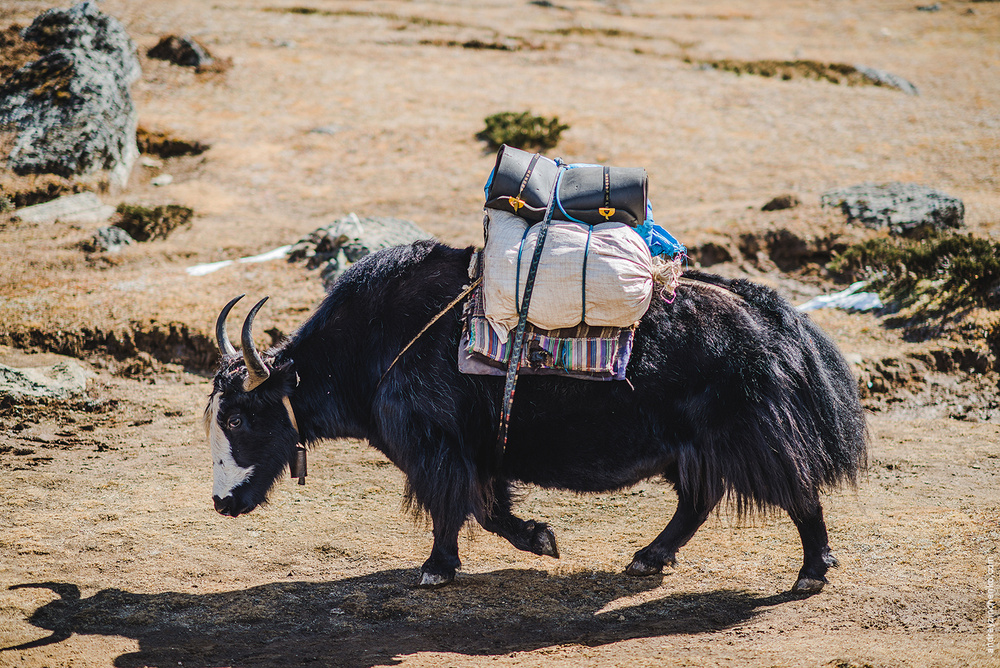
(730, 393)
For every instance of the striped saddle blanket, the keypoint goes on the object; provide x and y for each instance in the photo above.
(584, 351)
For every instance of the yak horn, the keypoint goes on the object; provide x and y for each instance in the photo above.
(257, 371)
(221, 336)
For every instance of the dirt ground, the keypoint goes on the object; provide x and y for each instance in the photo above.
(110, 550)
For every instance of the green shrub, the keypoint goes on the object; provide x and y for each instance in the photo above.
(521, 130)
(957, 269)
(144, 223)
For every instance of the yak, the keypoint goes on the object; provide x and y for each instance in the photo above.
(730, 393)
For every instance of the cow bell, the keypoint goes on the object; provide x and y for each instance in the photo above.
(298, 464)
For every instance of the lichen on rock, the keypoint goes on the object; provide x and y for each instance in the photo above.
(71, 112)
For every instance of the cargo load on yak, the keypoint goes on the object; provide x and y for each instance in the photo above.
(571, 262)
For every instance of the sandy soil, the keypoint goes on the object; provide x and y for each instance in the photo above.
(109, 546)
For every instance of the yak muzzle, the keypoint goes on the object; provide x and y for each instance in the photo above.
(227, 506)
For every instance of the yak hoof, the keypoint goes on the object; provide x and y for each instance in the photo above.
(430, 580)
(808, 586)
(640, 568)
(545, 543)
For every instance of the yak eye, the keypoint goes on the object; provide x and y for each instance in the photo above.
(234, 422)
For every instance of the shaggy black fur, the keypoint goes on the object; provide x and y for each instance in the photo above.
(728, 396)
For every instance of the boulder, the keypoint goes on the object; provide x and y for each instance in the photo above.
(71, 110)
(109, 239)
(83, 207)
(782, 202)
(335, 247)
(184, 51)
(62, 380)
(902, 208)
(887, 79)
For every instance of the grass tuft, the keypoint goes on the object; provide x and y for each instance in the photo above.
(521, 130)
(951, 269)
(146, 223)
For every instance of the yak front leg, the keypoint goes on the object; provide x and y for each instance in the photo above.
(816, 555)
(440, 567)
(690, 515)
(530, 536)
(449, 496)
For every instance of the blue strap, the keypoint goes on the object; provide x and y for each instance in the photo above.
(558, 199)
(517, 273)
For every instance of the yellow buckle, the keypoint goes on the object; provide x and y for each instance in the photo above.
(607, 212)
(515, 202)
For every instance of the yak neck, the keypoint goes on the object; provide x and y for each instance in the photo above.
(370, 315)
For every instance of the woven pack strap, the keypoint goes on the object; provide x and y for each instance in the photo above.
(517, 336)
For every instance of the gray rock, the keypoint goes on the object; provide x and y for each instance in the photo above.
(782, 202)
(331, 129)
(83, 207)
(903, 208)
(185, 51)
(887, 79)
(335, 247)
(111, 239)
(63, 380)
(71, 110)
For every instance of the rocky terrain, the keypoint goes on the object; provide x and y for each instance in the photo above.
(279, 120)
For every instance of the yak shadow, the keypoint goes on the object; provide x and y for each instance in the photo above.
(368, 620)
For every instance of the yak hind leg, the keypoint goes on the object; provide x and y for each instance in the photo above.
(816, 555)
(526, 535)
(691, 513)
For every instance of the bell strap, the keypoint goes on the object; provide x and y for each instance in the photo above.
(297, 467)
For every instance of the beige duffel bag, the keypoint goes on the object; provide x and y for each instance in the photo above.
(601, 275)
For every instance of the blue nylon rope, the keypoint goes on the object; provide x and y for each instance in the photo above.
(517, 273)
(559, 199)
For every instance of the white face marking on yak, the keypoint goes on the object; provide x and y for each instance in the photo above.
(226, 472)
(250, 425)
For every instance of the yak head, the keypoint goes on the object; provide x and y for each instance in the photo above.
(249, 421)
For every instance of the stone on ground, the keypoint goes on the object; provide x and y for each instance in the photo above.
(60, 381)
(71, 110)
(902, 208)
(338, 245)
(184, 51)
(83, 207)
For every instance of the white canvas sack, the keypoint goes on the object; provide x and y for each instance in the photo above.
(619, 274)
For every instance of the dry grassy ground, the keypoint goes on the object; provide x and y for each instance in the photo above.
(107, 534)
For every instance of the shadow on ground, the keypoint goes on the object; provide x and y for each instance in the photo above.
(366, 621)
